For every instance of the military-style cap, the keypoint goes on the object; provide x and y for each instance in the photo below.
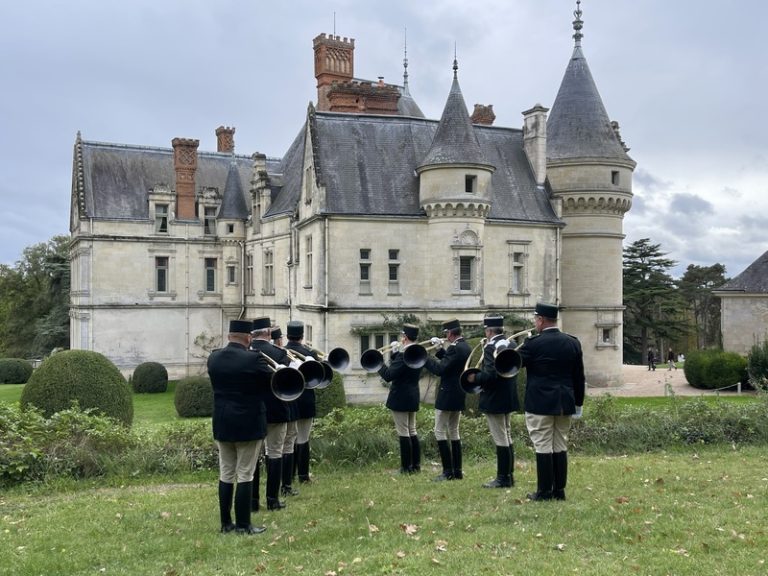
(276, 333)
(240, 327)
(411, 331)
(451, 325)
(295, 329)
(493, 322)
(546, 310)
(261, 323)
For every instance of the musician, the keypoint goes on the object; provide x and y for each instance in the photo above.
(278, 413)
(403, 399)
(240, 381)
(305, 403)
(498, 399)
(448, 363)
(554, 395)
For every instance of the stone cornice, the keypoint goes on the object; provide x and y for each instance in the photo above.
(616, 203)
(457, 209)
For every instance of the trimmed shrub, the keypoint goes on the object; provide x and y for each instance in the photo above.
(714, 369)
(14, 371)
(80, 377)
(330, 397)
(150, 377)
(757, 365)
(194, 397)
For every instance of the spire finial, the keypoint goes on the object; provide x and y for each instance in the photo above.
(578, 24)
(455, 63)
(405, 61)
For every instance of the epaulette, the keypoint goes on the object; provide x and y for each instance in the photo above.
(531, 337)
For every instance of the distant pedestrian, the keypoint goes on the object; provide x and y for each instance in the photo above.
(651, 359)
(671, 360)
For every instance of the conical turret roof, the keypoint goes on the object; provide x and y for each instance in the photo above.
(233, 202)
(455, 141)
(578, 125)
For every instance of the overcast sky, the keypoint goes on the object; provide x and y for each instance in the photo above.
(686, 80)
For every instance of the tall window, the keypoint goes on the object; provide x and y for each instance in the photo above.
(249, 274)
(209, 221)
(161, 218)
(210, 274)
(231, 275)
(161, 273)
(269, 272)
(365, 271)
(470, 183)
(518, 267)
(394, 271)
(308, 262)
(518, 270)
(466, 273)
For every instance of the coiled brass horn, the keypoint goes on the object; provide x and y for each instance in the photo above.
(287, 383)
(415, 355)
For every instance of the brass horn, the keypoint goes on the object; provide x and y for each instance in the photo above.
(337, 358)
(312, 370)
(287, 383)
(373, 359)
(466, 385)
(508, 360)
(415, 355)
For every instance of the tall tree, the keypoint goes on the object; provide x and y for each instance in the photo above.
(696, 286)
(34, 300)
(654, 310)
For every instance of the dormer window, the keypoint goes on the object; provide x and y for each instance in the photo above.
(470, 183)
(209, 221)
(161, 218)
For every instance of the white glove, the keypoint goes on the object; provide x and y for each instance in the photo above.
(294, 364)
(394, 347)
(579, 410)
(280, 367)
(501, 344)
(436, 342)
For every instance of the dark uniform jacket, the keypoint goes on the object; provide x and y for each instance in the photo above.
(404, 392)
(306, 402)
(240, 382)
(555, 373)
(498, 395)
(277, 410)
(449, 365)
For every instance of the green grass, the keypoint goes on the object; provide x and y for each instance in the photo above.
(683, 513)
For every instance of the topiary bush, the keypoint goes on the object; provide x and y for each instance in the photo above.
(150, 377)
(714, 369)
(194, 397)
(757, 365)
(330, 397)
(14, 371)
(80, 377)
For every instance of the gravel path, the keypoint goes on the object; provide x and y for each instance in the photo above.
(639, 381)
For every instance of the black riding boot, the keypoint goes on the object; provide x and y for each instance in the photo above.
(226, 491)
(511, 464)
(405, 454)
(415, 454)
(302, 462)
(256, 481)
(243, 495)
(445, 458)
(456, 456)
(560, 474)
(274, 476)
(544, 472)
(287, 489)
(503, 479)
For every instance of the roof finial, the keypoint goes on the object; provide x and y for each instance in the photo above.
(455, 63)
(578, 24)
(405, 61)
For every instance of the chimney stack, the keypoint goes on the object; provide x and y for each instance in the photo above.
(225, 139)
(483, 115)
(334, 62)
(185, 166)
(535, 140)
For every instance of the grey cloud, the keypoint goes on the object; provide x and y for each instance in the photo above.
(689, 204)
(649, 183)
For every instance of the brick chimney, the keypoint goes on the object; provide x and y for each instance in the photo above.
(334, 62)
(225, 139)
(535, 140)
(185, 166)
(483, 115)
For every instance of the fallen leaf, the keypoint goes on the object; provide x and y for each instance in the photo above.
(165, 515)
(622, 500)
(409, 529)
(560, 547)
(400, 554)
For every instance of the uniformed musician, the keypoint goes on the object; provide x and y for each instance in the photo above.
(403, 399)
(448, 363)
(498, 399)
(554, 395)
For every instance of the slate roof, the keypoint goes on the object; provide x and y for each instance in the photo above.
(233, 204)
(578, 125)
(368, 165)
(117, 177)
(754, 280)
